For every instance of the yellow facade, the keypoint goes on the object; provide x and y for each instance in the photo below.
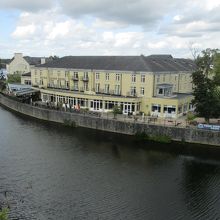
(134, 92)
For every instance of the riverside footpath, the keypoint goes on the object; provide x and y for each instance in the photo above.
(122, 125)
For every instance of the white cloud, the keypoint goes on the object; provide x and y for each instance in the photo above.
(24, 31)
(60, 30)
(114, 27)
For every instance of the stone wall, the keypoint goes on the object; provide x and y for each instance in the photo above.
(191, 135)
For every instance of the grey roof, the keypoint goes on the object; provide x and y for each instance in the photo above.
(35, 60)
(153, 63)
(27, 74)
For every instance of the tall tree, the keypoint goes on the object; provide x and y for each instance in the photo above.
(206, 80)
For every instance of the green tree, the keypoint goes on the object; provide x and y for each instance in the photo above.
(206, 82)
(116, 110)
(4, 214)
(14, 78)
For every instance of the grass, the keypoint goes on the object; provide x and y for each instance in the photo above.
(156, 138)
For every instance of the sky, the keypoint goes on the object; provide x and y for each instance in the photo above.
(108, 27)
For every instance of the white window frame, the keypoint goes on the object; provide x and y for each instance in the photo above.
(142, 91)
(97, 76)
(117, 77)
(143, 78)
(107, 76)
(133, 78)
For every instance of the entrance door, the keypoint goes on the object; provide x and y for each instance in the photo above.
(96, 105)
(127, 108)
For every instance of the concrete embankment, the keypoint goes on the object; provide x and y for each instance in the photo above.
(190, 135)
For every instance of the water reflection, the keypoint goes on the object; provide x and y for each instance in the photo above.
(54, 172)
(201, 181)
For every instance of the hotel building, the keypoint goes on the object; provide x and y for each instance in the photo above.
(157, 85)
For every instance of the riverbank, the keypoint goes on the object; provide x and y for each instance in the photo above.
(190, 135)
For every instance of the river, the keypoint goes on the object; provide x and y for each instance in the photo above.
(53, 172)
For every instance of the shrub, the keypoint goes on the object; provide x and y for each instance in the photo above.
(4, 214)
(14, 78)
(190, 116)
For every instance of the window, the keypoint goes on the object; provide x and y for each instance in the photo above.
(142, 91)
(75, 86)
(133, 78)
(86, 87)
(133, 91)
(86, 75)
(156, 108)
(107, 76)
(75, 75)
(158, 78)
(143, 78)
(160, 91)
(97, 76)
(169, 109)
(117, 78)
(107, 88)
(67, 84)
(117, 90)
(164, 77)
(97, 87)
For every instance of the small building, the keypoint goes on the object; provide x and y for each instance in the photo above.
(20, 64)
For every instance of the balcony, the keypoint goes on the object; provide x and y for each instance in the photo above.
(132, 94)
(76, 89)
(85, 78)
(53, 86)
(108, 92)
(75, 78)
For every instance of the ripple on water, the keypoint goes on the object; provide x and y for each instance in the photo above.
(56, 173)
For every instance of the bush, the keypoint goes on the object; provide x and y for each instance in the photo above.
(116, 110)
(4, 214)
(190, 116)
(142, 136)
(2, 85)
(14, 78)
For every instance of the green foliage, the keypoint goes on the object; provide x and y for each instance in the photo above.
(2, 82)
(160, 138)
(2, 85)
(206, 82)
(142, 136)
(190, 116)
(116, 110)
(14, 78)
(4, 214)
(1, 63)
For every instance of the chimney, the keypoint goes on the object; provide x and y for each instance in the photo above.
(18, 55)
(42, 61)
